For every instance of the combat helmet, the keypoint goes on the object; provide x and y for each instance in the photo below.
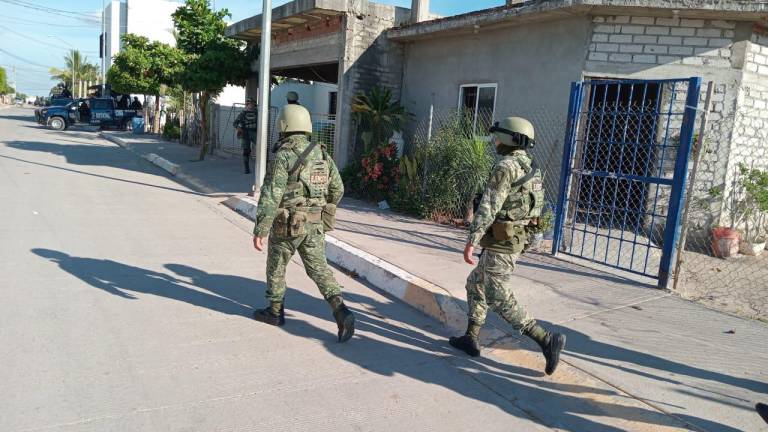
(294, 118)
(292, 97)
(514, 132)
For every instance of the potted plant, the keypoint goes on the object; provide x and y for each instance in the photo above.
(725, 239)
(754, 188)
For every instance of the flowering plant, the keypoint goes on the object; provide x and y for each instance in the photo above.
(381, 171)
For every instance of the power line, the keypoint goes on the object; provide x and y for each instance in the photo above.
(47, 44)
(26, 70)
(60, 12)
(22, 59)
(15, 20)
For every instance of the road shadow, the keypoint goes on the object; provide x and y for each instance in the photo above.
(382, 346)
(26, 118)
(584, 347)
(83, 154)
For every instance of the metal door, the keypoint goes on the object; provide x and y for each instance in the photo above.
(625, 164)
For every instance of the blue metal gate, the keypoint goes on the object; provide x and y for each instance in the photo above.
(625, 165)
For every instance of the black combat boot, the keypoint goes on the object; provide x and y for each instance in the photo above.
(551, 345)
(273, 315)
(762, 409)
(345, 319)
(247, 163)
(469, 343)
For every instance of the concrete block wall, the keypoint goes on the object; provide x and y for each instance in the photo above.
(369, 59)
(658, 48)
(750, 136)
(650, 40)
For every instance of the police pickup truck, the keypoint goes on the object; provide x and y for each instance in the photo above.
(101, 112)
(49, 102)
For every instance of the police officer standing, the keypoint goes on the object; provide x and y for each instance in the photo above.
(297, 204)
(510, 207)
(246, 124)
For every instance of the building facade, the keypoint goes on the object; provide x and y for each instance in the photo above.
(149, 18)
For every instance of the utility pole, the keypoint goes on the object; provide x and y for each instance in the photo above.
(103, 44)
(264, 82)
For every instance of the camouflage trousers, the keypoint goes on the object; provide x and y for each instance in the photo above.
(248, 141)
(311, 248)
(490, 286)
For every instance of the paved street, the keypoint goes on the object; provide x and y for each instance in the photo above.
(124, 303)
(125, 300)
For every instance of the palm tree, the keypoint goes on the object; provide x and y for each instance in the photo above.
(77, 70)
(378, 116)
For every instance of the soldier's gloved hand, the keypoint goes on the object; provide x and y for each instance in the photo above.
(469, 250)
(258, 243)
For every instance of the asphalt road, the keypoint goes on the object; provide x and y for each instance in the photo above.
(125, 301)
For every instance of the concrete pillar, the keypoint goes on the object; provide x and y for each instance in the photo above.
(419, 10)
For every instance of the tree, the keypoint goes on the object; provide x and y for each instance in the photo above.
(76, 65)
(4, 87)
(213, 61)
(146, 67)
(379, 116)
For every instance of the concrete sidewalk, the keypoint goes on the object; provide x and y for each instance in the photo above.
(702, 369)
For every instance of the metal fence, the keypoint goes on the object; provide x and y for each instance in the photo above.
(324, 130)
(452, 154)
(723, 263)
(224, 136)
(624, 173)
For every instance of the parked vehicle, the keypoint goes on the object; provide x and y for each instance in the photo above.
(50, 102)
(100, 112)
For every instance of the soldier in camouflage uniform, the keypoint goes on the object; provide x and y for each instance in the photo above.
(297, 204)
(507, 213)
(247, 123)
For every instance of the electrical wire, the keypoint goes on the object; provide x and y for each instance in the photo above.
(83, 16)
(22, 59)
(27, 37)
(16, 20)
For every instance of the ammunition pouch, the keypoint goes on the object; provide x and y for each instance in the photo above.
(329, 217)
(512, 235)
(293, 223)
(282, 221)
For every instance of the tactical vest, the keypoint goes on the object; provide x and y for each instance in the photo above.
(509, 232)
(307, 184)
(250, 120)
(306, 191)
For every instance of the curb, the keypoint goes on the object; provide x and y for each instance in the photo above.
(413, 290)
(437, 303)
(164, 164)
(170, 167)
(117, 140)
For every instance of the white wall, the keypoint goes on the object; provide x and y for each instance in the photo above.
(149, 18)
(314, 97)
(231, 95)
(112, 24)
(152, 18)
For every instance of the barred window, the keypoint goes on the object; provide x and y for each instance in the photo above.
(478, 102)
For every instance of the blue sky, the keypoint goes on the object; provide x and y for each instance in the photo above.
(34, 40)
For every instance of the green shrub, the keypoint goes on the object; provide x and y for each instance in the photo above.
(172, 130)
(457, 167)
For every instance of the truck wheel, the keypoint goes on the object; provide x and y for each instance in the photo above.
(57, 123)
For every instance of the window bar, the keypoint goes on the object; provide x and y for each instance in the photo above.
(628, 182)
(592, 178)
